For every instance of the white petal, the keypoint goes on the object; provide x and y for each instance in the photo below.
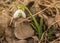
(23, 14)
(18, 12)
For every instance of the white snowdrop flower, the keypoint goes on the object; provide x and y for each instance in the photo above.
(19, 12)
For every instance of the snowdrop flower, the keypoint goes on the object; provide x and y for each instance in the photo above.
(19, 13)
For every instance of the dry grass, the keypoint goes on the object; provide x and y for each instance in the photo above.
(47, 9)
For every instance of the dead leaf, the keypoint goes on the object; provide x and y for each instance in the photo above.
(21, 41)
(57, 18)
(23, 30)
(50, 21)
(4, 18)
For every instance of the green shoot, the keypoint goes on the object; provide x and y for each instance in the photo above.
(36, 25)
(51, 34)
(40, 30)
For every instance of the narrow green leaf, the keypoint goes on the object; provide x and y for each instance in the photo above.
(40, 31)
(34, 26)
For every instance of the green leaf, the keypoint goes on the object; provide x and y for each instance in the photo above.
(34, 26)
(40, 30)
